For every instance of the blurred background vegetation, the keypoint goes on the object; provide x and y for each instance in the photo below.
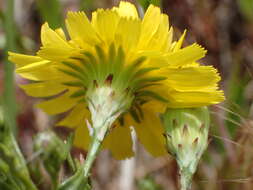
(223, 27)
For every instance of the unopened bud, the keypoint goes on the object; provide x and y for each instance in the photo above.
(186, 132)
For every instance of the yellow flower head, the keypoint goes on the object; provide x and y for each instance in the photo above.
(117, 54)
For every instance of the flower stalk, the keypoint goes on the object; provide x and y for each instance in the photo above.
(185, 178)
(93, 151)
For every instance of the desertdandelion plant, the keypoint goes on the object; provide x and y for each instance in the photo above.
(115, 71)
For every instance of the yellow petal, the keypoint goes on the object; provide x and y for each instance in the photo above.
(57, 54)
(80, 28)
(150, 24)
(150, 133)
(34, 66)
(155, 58)
(179, 44)
(61, 33)
(44, 74)
(55, 47)
(192, 78)
(105, 23)
(50, 38)
(170, 38)
(119, 142)
(21, 60)
(155, 105)
(77, 115)
(41, 71)
(161, 38)
(82, 138)
(185, 56)
(43, 89)
(126, 9)
(59, 104)
(194, 99)
(128, 32)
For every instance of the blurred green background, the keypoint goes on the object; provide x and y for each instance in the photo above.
(223, 27)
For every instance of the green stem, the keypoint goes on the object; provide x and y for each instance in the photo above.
(185, 179)
(71, 163)
(9, 101)
(101, 123)
(80, 180)
(92, 153)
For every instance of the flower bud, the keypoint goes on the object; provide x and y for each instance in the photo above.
(186, 132)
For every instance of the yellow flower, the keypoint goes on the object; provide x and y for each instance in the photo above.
(117, 54)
